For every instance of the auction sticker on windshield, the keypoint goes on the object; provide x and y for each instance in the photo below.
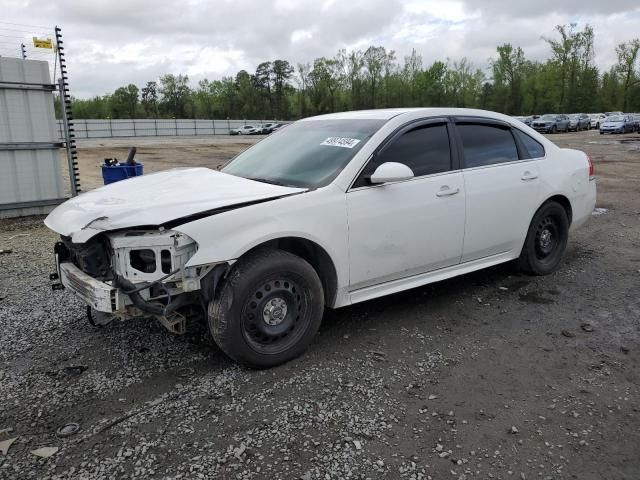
(341, 142)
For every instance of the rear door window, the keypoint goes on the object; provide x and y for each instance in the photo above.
(487, 144)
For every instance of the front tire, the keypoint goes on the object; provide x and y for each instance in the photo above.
(546, 240)
(268, 310)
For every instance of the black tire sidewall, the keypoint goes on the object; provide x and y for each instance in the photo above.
(528, 260)
(226, 321)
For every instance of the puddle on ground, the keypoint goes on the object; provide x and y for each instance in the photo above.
(633, 143)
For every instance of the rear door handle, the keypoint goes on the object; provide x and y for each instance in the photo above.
(445, 191)
(528, 176)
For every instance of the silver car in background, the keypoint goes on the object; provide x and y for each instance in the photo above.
(617, 124)
(579, 122)
(526, 120)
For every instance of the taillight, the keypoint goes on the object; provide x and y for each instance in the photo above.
(591, 169)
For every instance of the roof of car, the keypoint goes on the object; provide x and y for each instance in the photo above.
(388, 113)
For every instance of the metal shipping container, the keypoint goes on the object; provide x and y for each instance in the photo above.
(30, 168)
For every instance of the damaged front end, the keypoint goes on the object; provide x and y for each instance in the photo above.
(134, 273)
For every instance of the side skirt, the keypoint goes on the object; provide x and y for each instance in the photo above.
(395, 286)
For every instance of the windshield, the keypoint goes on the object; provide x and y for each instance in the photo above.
(548, 117)
(615, 118)
(305, 154)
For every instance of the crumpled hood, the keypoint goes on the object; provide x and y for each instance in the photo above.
(155, 199)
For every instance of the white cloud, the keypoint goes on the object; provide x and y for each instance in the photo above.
(298, 35)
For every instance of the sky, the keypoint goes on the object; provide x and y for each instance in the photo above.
(110, 43)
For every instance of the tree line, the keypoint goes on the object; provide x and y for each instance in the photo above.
(568, 81)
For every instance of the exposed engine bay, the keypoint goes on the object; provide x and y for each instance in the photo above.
(131, 273)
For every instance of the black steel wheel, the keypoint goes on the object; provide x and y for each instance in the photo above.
(547, 237)
(269, 309)
(546, 240)
(276, 315)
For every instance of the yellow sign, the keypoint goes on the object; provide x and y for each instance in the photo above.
(42, 42)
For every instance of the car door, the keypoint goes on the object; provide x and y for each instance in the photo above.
(501, 186)
(405, 228)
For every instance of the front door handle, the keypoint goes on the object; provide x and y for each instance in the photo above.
(528, 176)
(445, 191)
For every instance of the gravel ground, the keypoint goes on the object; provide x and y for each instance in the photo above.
(489, 375)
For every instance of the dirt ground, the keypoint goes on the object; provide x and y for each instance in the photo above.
(489, 375)
(158, 153)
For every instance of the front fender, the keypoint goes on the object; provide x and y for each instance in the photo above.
(318, 216)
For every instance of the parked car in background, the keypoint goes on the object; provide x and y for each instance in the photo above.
(551, 123)
(526, 120)
(579, 122)
(267, 128)
(635, 119)
(245, 130)
(331, 211)
(597, 119)
(610, 114)
(279, 126)
(617, 124)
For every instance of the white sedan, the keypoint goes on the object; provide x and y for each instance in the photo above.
(245, 130)
(331, 211)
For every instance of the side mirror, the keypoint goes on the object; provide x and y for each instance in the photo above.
(391, 172)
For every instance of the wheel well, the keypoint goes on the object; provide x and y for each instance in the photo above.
(315, 255)
(566, 204)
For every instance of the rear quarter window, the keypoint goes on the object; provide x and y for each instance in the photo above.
(533, 148)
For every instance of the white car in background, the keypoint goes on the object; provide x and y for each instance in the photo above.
(330, 211)
(246, 130)
(597, 119)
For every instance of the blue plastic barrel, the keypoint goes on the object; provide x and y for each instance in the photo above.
(115, 173)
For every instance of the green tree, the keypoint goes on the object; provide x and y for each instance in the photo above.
(572, 53)
(150, 99)
(374, 60)
(351, 65)
(124, 102)
(324, 80)
(628, 54)
(430, 85)
(508, 74)
(303, 81)
(281, 75)
(176, 95)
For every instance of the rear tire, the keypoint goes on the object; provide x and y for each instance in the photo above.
(546, 240)
(268, 310)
